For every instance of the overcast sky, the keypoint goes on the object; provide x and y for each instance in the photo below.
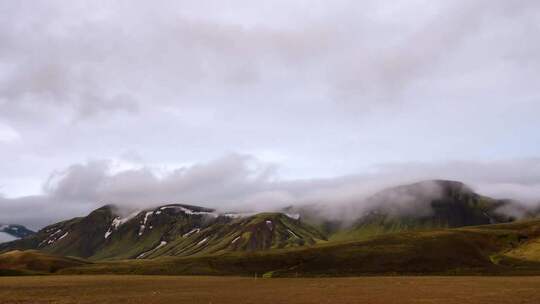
(267, 103)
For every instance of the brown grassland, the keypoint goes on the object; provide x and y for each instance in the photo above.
(198, 289)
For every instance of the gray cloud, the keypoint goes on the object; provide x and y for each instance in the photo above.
(427, 88)
(241, 182)
(98, 59)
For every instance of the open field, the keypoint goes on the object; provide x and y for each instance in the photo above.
(174, 289)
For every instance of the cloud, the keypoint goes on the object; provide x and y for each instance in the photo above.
(241, 182)
(101, 59)
(7, 133)
(156, 92)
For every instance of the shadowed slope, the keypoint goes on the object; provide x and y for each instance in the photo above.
(33, 262)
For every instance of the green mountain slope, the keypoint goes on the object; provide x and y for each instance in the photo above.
(79, 237)
(404, 229)
(263, 231)
(179, 230)
(485, 249)
(420, 206)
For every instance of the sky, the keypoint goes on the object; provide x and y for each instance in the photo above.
(242, 104)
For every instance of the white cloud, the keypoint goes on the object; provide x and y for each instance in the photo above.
(8, 134)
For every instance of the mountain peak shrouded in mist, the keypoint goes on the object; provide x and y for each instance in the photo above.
(420, 205)
(246, 184)
(186, 230)
(437, 203)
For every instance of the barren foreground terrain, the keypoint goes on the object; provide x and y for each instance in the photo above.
(173, 289)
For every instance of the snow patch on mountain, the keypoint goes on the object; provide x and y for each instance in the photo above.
(143, 225)
(294, 216)
(239, 215)
(119, 221)
(17, 231)
(192, 231)
(6, 237)
(190, 211)
(161, 244)
(202, 242)
(53, 237)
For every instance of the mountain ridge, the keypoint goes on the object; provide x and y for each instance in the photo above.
(185, 230)
(173, 228)
(9, 232)
(422, 205)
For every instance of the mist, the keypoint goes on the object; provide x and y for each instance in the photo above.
(242, 183)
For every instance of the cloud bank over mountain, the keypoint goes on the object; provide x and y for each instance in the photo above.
(243, 183)
(135, 102)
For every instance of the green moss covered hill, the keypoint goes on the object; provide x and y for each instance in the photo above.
(177, 230)
(428, 227)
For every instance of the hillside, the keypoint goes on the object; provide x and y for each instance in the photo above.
(490, 249)
(419, 206)
(178, 230)
(260, 232)
(426, 227)
(34, 262)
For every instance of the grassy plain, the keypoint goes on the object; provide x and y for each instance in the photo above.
(197, 289)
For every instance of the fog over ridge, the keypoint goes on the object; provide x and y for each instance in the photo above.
(238, 182)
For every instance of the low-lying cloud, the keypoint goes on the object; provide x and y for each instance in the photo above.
(243, 183)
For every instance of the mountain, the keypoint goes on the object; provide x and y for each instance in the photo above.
(495, 249)
(430, 227)
(431, 204)
(259, 232)
(190, 231)
(12, 232)
(178, 230)
(418, 206)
